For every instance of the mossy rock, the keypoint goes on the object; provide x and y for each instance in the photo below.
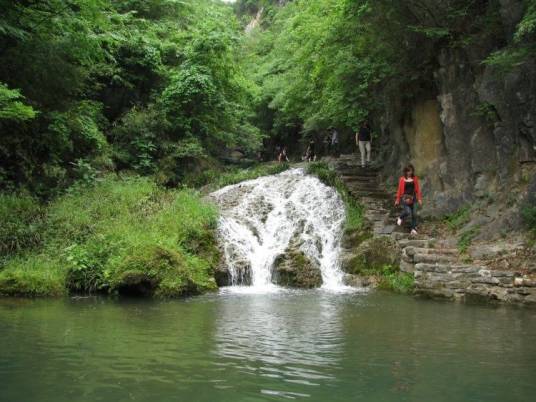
(371, 256)
(294, 269)
(353, 238)
(156, 271)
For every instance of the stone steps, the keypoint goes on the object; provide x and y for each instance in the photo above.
(378, 194)
(430, 258)
(412, 250)
(435, 264)
(426, 243)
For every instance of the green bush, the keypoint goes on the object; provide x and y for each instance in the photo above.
(21, 217)
(99, 239)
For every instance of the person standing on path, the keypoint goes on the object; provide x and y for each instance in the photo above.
(363, 140)
(283, 155)
(310, 154)
(327, 144)
(409, 192)
(335, 142)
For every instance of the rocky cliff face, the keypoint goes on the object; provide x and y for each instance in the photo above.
(473, 137)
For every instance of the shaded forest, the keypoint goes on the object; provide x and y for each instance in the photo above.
(167, 88)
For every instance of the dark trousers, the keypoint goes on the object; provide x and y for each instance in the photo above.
(408, 211)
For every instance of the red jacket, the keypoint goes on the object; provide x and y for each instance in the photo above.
(402, 187)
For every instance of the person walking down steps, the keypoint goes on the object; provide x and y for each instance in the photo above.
(335, 142)
(409, 193)
(363, 140)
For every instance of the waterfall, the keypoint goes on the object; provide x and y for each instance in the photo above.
(260, 218)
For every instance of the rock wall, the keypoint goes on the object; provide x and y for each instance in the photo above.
(470, 137)
(472, 283)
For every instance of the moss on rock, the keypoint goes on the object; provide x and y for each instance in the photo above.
(295, 269)
(371, 256)
(160, 272)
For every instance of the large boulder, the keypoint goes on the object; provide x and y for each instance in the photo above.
(158, 271)
(371, 256)
(294, 269)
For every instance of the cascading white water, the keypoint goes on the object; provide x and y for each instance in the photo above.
(260, 217)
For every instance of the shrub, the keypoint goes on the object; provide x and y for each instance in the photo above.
(21, 217)
(102, 238)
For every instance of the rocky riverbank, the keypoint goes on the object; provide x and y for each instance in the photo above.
(441, 265)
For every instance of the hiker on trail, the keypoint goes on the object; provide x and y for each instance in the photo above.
(327, 144)
(310, 155)
(278, 149)
(283, 155)
(363, 140)
(335, 142)
(409, 192)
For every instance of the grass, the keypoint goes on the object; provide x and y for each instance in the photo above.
(34, 275)
(396, 281)
(123, 235)
(354, 210)
(21, 217)
(466, 239)
(458, 219)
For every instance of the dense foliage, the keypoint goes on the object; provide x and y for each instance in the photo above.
(124, 235)
(149, 85)
(165, 86)
(323, 63)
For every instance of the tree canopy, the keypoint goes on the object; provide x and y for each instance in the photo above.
(159, 86)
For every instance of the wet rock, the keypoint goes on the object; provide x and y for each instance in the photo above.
(353, 238)
(222, 275)
(372, 255)
(294, 269)
(358, 281)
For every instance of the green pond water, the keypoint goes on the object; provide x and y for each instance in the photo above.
(301, 345)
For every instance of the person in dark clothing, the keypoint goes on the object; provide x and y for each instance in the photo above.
(327, 144)
(283, 155)
(335, 142)
(363, 140)
(278, 149)
(310, 155)
(409, 192)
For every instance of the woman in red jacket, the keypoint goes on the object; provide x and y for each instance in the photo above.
(409, 192)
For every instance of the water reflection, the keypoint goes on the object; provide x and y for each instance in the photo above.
(309, 345)
(284, 336)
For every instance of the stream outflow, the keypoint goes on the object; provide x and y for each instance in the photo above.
(260, 218)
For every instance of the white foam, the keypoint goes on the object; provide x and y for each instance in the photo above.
(260, 217)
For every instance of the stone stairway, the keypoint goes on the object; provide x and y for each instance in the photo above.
(364, 184)
(440, 271)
